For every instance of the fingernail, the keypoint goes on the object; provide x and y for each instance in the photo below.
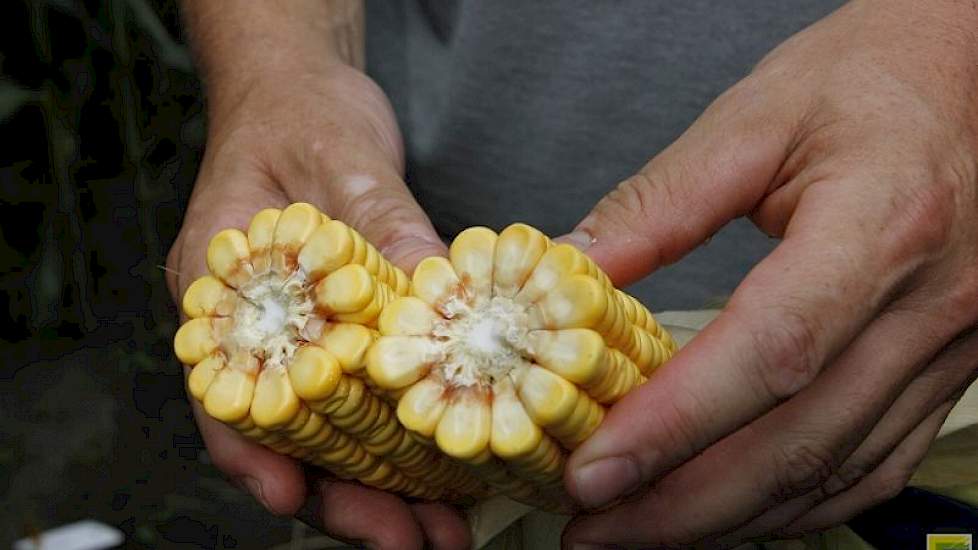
(603, 480)
(252, 485)
(580, 239)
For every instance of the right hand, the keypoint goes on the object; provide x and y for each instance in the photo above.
(329, 139)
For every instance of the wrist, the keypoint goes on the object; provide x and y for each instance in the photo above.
(240, 46)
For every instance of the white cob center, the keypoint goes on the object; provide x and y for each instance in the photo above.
(269, 318)
(482, 343)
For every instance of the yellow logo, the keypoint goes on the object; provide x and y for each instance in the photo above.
(949, 542)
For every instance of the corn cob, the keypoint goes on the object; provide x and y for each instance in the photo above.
(502, 357)
(507, 352)
(277, 337)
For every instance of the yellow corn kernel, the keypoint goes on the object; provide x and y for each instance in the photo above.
(295, 224)
(464, 428)
(261, 233)
(274, 402)
(208, 297)
(228, 397)
(435, 281)
(548, 398)
(471, 255)
(229, 257)
(422, 406)
(314, 373)
(366, 255)
(577, 301)
(367, 316)
(346, 290)
(203, 374)
(407, 316)
(328, 248)
(575, 354)
(396, 361)
(348, 343)
(580, 356)
(517, 252)
(559, 261)
(514, 434)
(194, 341)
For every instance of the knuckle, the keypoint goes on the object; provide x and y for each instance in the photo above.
(800, 468)
(371, 206)
(630, 197)
(628, 208)
(744, 92)
(680, 427)
(787, 355)
(890, 484)
(676, 424)
(924, 220)
(847, 475)
(962, 298)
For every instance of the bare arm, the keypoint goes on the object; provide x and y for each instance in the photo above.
(238, 42)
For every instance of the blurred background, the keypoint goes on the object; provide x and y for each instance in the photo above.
(102, 129)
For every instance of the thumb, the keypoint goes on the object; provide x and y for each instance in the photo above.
(382, 209)
(719, 169)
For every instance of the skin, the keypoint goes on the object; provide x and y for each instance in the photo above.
(823, 382)
(328, 137)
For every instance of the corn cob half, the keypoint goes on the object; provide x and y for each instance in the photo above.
(507, 352)
(277, 336)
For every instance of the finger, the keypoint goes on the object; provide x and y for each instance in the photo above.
(785, 453)
(443, 526)
(940, 384)
(372, 517)
(882, 484)
(772, 339)
(276, 481)
(718, 170)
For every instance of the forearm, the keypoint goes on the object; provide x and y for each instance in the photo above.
(240, 44)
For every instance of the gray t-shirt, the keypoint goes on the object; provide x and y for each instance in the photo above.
(533, 110)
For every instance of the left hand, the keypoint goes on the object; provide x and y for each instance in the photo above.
(821, 385)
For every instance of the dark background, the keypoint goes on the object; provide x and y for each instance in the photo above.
(102, 131)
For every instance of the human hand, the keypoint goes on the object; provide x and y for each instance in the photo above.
(329, 139)
(820, 386)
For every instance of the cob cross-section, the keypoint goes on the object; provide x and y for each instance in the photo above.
(477, 375)
(277, 337)
(507, 352)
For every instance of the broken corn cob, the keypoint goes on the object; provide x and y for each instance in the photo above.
(507, 352)
(478, 375)
(276, 337)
